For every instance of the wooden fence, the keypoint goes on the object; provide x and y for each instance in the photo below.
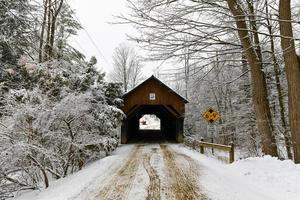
(195, 144)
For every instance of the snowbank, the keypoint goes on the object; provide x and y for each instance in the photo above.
(263, 178)
(82, 183)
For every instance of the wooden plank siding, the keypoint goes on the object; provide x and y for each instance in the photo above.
(164, 96)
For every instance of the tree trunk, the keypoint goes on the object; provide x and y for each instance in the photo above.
(292, 67)
(125, 78)
(53, 28)
(286, 134)
(253, 134)
(259, 90)
(43, 31)
(52, 34)
(253, 25)
(46, 51)
(186, 71)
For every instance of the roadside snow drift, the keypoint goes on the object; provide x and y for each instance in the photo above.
(80, 184)
(265, 178)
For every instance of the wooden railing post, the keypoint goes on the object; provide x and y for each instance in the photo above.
(231, 153)
(201, 146)
(212, 148)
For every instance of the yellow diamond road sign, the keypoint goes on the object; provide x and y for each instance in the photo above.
(210, 115)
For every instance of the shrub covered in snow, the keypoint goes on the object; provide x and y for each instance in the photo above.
(67, 118)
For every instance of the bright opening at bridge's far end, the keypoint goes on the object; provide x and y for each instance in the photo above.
(149, 122)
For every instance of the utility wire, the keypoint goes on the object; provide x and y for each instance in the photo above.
(79, 45)
(93, 42)
(18, 18)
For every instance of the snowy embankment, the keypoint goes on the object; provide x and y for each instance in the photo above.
(82, 183)
(250, 179)
(263, 178)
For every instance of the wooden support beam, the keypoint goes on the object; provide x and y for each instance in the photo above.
(216, 146)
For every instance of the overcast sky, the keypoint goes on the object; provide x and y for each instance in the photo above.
(95, 16)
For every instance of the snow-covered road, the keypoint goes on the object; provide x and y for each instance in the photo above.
(156, 169)
(174, 172)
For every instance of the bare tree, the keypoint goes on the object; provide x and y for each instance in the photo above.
(276, 66)
(127, 67)
(52, 9)
(259, 89)
(292, 67)
(43, 26)
(230, 28)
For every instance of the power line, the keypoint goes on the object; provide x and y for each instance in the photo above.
(93, 42)
(68, 56)
(90, 38)
(79, 45)
(18, 18)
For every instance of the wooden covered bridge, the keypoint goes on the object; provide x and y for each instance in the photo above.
(153, 97)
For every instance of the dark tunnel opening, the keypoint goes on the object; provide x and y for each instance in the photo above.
(166, 132)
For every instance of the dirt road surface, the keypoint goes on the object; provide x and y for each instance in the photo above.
(154, 172)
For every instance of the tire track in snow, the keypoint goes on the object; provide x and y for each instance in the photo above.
(172, 176)
(154, 185)
(120, 184)
(193, 168)
(183, 181)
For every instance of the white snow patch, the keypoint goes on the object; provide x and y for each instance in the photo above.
(81, 184)
(263, 178)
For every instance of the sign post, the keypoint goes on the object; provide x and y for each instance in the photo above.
(211, 130)
(211, 116)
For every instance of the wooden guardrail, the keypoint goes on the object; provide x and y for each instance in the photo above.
(228, 148)
(202, 145)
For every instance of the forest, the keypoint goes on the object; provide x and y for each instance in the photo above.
(59, 111)
(239, 56)
(56, 111)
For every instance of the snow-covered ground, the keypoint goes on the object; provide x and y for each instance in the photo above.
(263, 178)
(254, 178)
(82, 183)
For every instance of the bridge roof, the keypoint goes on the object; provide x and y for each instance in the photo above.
(161, 83)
